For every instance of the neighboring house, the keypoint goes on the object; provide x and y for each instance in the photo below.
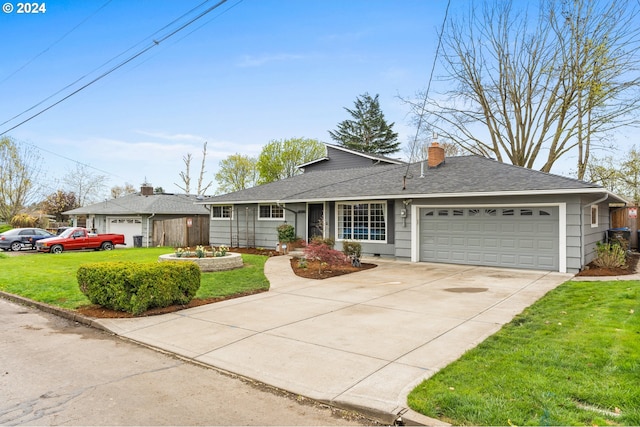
(159, 219)
(464, 210)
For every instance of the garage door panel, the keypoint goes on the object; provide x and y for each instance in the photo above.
(490, 227)
(545, 244)
(508, 243)
(458, 226)
(510, 237)
(507, 227)
(490, 242)
(458, 242)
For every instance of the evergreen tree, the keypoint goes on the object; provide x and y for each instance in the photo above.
(368, 131)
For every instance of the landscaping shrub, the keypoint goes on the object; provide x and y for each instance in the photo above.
(317, 251)
(353, 250)
(610, 255)
(135, 288)
(286, 233)
(322, 241)
(5, 227)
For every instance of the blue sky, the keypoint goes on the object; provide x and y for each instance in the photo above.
(243, 75)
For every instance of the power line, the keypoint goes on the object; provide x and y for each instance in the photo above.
(33, 107)
(426, 95)
(54, 43)
(153, 44)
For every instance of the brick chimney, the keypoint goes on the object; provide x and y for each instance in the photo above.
(435, 155)
(146, 189)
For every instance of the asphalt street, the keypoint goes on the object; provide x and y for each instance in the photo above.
(57, 372)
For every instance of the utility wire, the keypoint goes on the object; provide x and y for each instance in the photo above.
(426, 95)
(55, 43)
(33, 107)
(120, 65)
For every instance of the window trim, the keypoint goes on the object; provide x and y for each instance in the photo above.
(270, 217)
(594, 216)
(385, 208)
(222, 209)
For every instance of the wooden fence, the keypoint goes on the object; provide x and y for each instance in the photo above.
(181, 232)
(623, 217)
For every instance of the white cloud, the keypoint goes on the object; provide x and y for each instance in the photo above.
(171, 137)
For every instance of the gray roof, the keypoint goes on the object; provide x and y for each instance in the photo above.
(160, 204)
(463, 175)
(372, 156)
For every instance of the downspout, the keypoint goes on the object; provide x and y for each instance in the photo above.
(588, 205)
(148, 218)
(295, 216)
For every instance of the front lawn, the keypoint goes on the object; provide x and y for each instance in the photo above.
(573, 358)
(51, 278)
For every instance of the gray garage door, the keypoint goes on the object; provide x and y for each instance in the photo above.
(520, 237)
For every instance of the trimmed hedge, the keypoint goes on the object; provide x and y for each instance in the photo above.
(135, 287)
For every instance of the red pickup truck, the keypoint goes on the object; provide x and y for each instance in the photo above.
(79, 238)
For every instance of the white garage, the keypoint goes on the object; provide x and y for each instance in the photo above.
(129, 226)
(508, 236)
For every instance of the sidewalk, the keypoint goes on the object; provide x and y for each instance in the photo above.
(361, 341)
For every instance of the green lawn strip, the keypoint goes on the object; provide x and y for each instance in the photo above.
(573, 358)
(51, 278)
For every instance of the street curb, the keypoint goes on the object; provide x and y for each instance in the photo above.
(67, 314)
(386, 418)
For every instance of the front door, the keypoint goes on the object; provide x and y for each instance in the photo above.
(315, 220)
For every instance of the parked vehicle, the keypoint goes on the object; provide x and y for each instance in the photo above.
(18, 238)
(79, 238)
(60, 230)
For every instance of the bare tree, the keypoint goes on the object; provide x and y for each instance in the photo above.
(185, 175)
(86, 185)
(202, 189)
(19, 171)
(520, 93)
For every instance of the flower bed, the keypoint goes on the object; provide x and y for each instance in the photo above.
(229, 261)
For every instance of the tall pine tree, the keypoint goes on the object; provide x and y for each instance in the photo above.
(368, 131)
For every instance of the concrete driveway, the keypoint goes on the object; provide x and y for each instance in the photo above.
(359, 341)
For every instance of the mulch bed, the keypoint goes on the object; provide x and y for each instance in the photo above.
(591, 270)
(314, 270)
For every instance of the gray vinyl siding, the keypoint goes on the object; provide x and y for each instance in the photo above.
(592, 235)
(248, 230)
(341, 160)
(580, 237)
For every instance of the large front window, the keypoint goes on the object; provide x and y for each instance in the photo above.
(362, 221)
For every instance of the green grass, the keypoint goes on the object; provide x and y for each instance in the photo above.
(51, 278)
(573, 358)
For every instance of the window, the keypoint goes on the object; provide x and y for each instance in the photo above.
(526, 212)
(221, 212)
(362, 221)
(507, 212)
(594, 216)
(270, 212)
